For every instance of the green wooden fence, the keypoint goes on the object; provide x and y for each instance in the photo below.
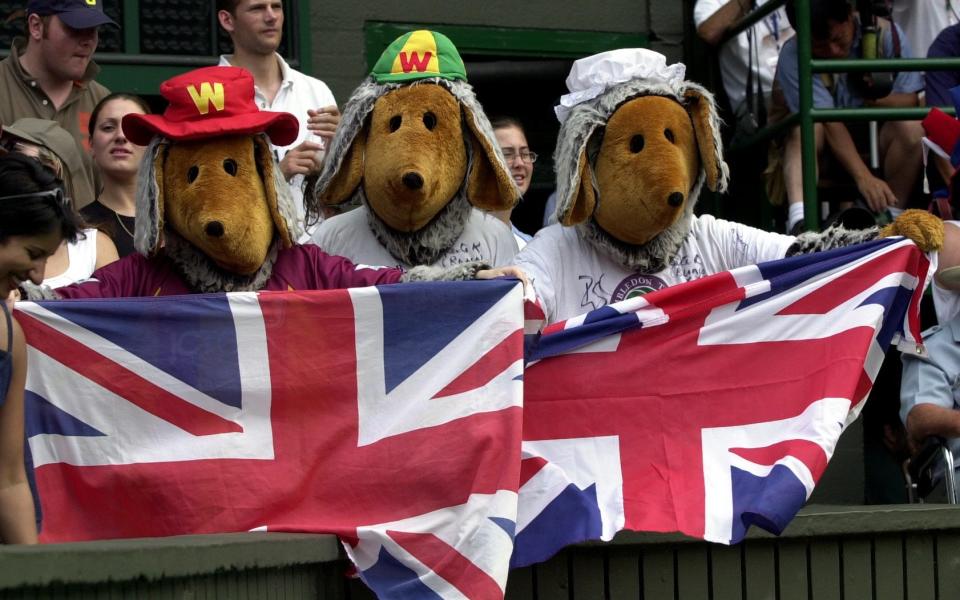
(827, 553)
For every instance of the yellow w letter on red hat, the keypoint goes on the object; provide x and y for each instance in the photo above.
(208, 93)
(414, 61)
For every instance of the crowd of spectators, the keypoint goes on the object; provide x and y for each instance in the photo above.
(72, 173)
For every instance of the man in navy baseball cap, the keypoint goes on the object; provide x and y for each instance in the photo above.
(50, 73)
(76, 14)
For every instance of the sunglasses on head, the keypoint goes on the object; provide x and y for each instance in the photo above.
(56, 195)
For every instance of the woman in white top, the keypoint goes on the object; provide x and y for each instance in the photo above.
(76, 261)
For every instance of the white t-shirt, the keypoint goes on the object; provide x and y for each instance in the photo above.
(570, 277)
(484, 238)
(297, 94)
(771, 32)
(82, 261)
(946, 303)
(923, 20)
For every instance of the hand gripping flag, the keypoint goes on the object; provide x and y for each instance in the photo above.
(711, 406)
(390, 416)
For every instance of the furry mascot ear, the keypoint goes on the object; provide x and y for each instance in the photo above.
(576, 196)
(706, 125)
(348, 177)
(149, 225)
(274, 192)
(489, 184)
(585, 200)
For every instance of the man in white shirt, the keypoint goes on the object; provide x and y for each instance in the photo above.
(755, 50)
(256, 29)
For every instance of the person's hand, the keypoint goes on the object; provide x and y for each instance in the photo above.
(305, 159)
(876, 192)
(12, 299)
(509, 271)
(323, 122)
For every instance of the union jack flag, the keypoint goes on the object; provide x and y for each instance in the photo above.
(710, 406)
(390, 416)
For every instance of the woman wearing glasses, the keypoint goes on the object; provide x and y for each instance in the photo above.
(516, 151)
(35, 217)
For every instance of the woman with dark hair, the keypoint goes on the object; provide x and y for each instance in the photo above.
(35, 216)
(118, 160)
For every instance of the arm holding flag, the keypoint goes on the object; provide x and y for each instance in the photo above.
(17, 523)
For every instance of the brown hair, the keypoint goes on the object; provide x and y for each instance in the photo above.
(95, 113)
(228, 5)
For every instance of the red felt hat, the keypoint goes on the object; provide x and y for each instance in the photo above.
(210, 102)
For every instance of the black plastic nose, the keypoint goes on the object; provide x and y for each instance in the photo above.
(675, 199)
(214, 229)
(413, 180)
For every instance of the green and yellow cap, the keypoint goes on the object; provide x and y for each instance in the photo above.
(418, 55)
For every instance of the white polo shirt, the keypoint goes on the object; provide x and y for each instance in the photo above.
(297, 94)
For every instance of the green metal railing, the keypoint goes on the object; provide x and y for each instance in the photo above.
(808, 115)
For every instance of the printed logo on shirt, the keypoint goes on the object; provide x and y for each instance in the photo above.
(462, 253)
(636, 285)
(208, 94)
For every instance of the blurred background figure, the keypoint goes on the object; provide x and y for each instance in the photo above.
(118, 160)
(748, 62)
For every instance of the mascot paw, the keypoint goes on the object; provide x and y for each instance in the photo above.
(923, 228)
(32, 291)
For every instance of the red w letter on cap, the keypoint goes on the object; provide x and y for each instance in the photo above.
(414, 61)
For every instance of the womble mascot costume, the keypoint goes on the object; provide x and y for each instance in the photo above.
(415, 150)
(637, 144)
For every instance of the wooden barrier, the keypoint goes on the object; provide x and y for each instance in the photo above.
(848, 552)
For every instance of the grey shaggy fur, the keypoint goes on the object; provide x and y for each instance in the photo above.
(464, 272)
(835, 236)
(35, 292)
(430, 242)
(584, 128)
(204, 276)
(427, 245)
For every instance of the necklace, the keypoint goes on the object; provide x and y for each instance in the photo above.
(122, 226)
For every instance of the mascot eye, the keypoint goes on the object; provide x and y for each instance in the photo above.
(429, 120)
(193, 173)
(230, 166)
(636, 143)
(668, 134)
(395, 123)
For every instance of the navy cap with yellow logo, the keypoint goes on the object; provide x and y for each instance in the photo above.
(76, 14)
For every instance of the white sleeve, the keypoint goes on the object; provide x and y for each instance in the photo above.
(704, 9)
(536, 266)
(326, 237)
(738, 245)
(505, 248)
